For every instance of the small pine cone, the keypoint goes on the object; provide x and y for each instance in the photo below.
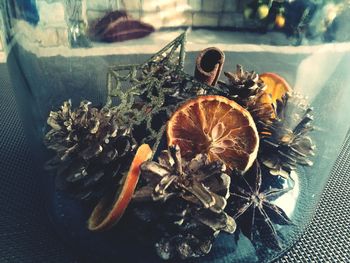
(285, 142)
(192, 196)
(242, 86)
(91, 148)
(248, 90)
(262, 110)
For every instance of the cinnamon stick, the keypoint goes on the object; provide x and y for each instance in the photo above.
(209, 64)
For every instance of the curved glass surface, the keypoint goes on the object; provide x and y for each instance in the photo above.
(67, 56)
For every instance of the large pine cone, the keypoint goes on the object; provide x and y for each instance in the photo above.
(191, 198)
(92, 148)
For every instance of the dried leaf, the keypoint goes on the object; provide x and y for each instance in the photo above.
(101, 25)
(119, 27)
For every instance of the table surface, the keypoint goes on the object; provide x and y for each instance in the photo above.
(26, 235)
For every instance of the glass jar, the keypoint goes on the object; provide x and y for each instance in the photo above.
(66, 53)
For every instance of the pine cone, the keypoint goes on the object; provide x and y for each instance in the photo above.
(285, 142)
(91, 148)
(243, 86)
(262, 110)
(191, 197)
(248, 90)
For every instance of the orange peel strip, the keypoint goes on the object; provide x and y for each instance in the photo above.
(106, 213)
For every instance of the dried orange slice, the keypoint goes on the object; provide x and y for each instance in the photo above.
(218, 127)
(276, 86)
(109, 210)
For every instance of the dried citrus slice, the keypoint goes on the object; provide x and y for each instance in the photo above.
(276, 86)
(109, 210)
(217, 126)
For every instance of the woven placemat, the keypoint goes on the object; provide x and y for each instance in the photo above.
(327, 238)
(25, 233)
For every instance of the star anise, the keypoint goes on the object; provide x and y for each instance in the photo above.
(253, 210)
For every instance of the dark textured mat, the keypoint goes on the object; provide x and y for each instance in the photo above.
(327, 238)
(26, 235)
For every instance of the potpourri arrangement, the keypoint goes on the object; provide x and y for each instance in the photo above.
(188, 157)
